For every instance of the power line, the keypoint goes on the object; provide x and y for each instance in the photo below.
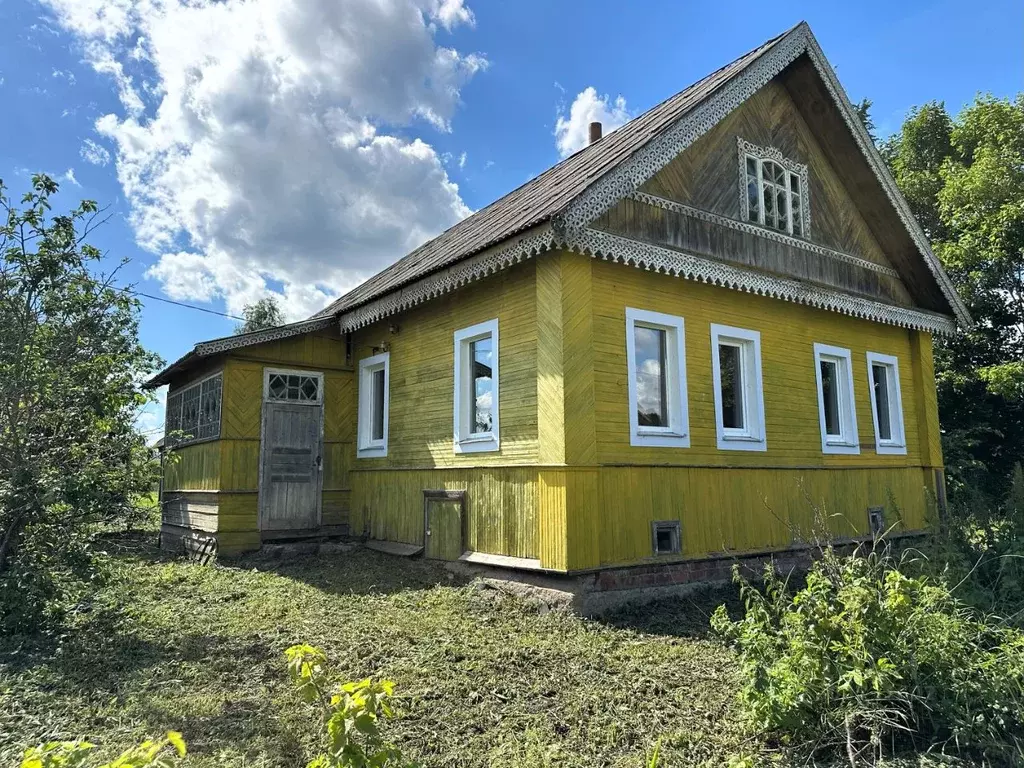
(181, 304)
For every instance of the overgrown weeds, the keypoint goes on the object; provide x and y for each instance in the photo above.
(867, 661)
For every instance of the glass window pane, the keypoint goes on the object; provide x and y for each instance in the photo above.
(830, 396)
(751, 167)
(879, 376)
(377, 406)
(481, 417)
(753, 201)
(782, 209)
(732, 386)
(794, 183)
(309, 388)
(651, 396)
(769, 205)
(277, 386)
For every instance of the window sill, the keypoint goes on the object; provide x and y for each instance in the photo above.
(659, 439)
(477, 444)
(891, 449)
(727, 442)
(840, 448)
(372, 452)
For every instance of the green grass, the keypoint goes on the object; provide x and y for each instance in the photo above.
(172, 645)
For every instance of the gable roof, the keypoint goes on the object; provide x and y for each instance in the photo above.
(561, 201)
(554, 209)
(544, 196)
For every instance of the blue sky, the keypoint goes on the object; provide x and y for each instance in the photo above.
(298, 146)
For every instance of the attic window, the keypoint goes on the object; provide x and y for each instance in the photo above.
(773, 190)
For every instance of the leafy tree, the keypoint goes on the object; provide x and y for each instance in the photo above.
(863, 110)
(70, 369)
(964, 180)
(265, 313)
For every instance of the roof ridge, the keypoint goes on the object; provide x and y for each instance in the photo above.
(364, 291)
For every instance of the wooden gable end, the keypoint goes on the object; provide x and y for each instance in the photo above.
(693, 203)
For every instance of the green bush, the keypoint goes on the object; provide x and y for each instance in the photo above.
(155, 753)
(865, 660)
(351, 712)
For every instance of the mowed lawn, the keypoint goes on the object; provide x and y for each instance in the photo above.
(175, 645)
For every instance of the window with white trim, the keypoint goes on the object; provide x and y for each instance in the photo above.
(886, 403)
(739, 398)
(774, 190)
(194, 411)
(837, 413)
(656, 358)
(476, 388)
(374, 393)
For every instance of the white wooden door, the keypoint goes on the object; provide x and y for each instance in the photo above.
(291, 474)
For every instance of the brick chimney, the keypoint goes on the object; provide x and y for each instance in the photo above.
(595, 132)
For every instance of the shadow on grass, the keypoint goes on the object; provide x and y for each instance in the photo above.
(359, 571)
(685, 616)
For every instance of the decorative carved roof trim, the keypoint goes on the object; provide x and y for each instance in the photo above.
(650, 158)
(654, 258)
(756, 229)
(745, 148)
(493, 260)
(881, 170)
(238, 341)
(662, 149)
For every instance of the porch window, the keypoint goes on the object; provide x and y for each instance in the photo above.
(739, 399)
(836, 412)
(773, 190)
(886, 403)
(656, 358)
(476, 388)
(194, 411)
(374, 388)
(294, 386)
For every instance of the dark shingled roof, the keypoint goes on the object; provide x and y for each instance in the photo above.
(544, 196)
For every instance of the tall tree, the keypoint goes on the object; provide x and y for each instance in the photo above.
(261, 315)
(964, 180)
(70, 368)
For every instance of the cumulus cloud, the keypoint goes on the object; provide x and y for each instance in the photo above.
(257, 139)
(69, 177)
(94, 153)
(572, 130)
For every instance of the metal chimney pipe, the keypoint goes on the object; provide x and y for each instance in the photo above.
(595, 132)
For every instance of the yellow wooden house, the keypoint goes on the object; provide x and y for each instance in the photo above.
(670, 348)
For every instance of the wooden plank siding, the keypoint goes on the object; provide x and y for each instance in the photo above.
(228, 468)
(728, 500)
(706, 175)
(501, 499)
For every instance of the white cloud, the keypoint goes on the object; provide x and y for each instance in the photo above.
(65, 74)
(69, 176)
(572, 132)
(94, 153)
(264, 149)
(462, 160)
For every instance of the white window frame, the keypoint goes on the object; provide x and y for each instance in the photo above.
(367, 447)
(897, 444)
(466, 441)
(847, 441)
(801, 194)
(677, 433)
(753, 436)
(318, 375)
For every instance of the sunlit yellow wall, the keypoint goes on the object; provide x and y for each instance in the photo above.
(729, 500)
(502, 496)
